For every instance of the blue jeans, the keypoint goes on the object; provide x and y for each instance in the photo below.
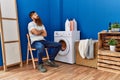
(40, 47)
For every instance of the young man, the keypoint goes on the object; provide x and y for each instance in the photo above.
(37, 33)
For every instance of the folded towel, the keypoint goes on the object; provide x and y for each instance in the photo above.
(90, 53)
(86, 48)
(83, 48)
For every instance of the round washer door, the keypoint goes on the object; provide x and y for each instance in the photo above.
(65, 46)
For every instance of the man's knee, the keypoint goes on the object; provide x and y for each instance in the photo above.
(41, 47)
(59, 45)
(38, 45)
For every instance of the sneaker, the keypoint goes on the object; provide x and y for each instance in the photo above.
(42, 68)
(51, 63)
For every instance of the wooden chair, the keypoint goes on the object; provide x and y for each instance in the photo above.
(30, 51)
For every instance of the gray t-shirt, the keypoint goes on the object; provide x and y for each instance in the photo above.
(33, 37)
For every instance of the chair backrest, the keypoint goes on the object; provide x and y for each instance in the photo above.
(29, 43)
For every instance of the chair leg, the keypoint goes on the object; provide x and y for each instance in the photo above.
(27, 55)
(47, 53)
(32, 59)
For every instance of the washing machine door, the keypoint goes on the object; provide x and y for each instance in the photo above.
(65, 46)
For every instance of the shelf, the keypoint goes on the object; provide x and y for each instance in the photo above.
(108, 33)
(108, 60)
(103, 39)
(108, 53)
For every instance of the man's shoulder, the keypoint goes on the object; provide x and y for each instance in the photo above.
(31, 23)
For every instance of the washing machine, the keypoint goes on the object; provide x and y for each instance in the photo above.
(67, 39)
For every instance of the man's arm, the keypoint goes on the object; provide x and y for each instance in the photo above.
(39, 32)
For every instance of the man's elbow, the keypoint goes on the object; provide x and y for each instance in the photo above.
(45, 35)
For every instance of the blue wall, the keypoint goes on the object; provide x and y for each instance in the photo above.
(1, 62)
(92, 16)
(55, 16)
(24, 7)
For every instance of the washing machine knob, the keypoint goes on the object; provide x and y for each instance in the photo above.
(56, 34)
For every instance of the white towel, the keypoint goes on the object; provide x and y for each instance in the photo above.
(90, 53)
(83, 47)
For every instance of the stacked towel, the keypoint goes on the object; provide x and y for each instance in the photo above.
(86, 48)
(83, 48)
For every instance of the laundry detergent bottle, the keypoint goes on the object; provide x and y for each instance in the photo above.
(67, 25)
(75, 25)
(71, 25)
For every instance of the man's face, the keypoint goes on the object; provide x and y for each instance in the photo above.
(35, 16)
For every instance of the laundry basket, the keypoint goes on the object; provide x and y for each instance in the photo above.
(86, 62)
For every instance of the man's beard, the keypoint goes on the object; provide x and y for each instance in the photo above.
(38, 21)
